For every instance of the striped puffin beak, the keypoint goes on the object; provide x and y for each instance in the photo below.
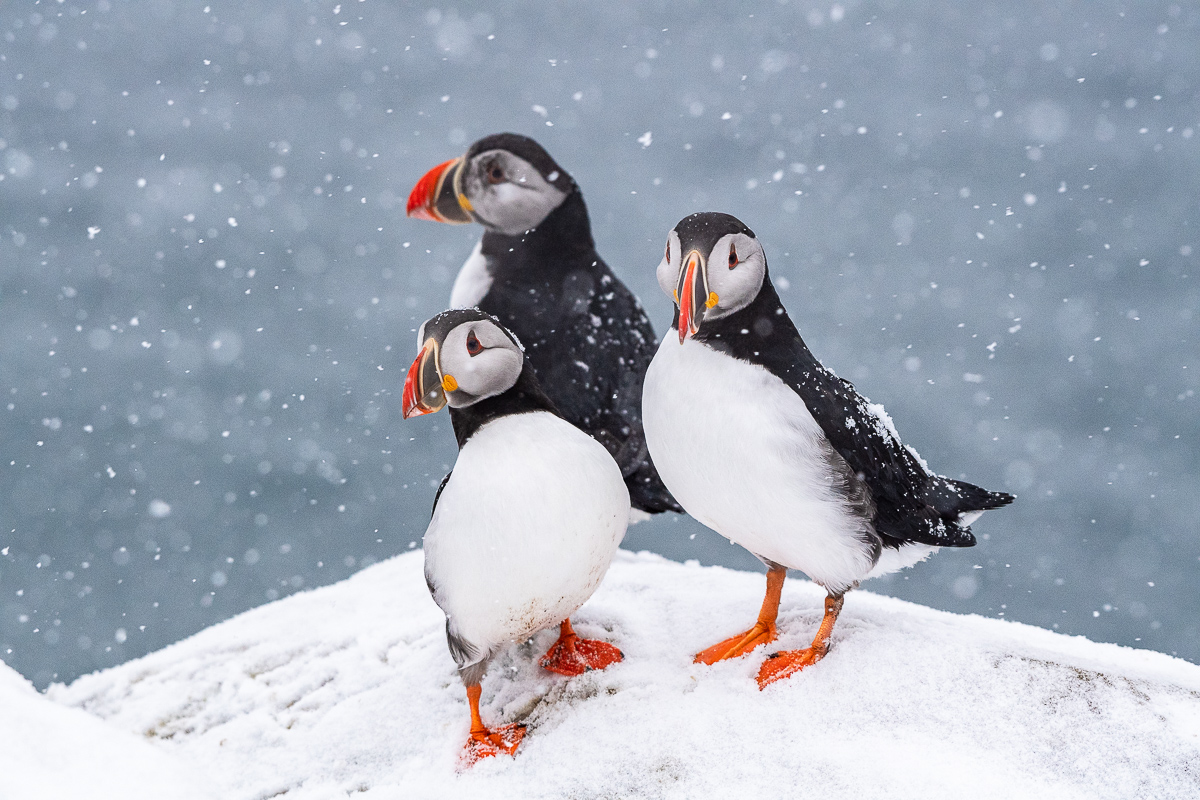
(692, 295)
(424, 391)
(436, 196)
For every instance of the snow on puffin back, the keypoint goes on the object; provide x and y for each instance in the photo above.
(349, 689)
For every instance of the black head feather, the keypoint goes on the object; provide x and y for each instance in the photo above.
(702, 229)
(528, 150)
(441, 324)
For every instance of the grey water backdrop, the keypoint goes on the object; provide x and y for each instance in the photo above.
(985, 215)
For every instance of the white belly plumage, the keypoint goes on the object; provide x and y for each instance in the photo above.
(524, 530)
(742, 454)
(473, 280)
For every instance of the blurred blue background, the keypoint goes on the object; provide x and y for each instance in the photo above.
(984, 215)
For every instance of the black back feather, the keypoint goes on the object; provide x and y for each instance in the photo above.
(584, 332)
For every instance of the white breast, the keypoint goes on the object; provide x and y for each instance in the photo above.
(525, 528)
(473, 280)
(742, 454)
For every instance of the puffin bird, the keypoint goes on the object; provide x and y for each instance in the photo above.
(760, 442)
(537, 270)
(527, 522)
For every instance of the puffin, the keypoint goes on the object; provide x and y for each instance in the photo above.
(760, 442)
(536, 269)
(525, 524)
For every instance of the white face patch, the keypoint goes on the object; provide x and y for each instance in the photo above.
(507, 194)
(483, 361)
(736, 268)
(668, 268)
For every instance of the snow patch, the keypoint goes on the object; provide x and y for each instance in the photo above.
(349, 689)
(49, 752)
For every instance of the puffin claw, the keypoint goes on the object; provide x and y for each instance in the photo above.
(492, 742)
(573, 656)
(787, 663)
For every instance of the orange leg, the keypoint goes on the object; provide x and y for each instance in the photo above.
(572, 656)
(484, 742)
(763, 631)
(783, 665)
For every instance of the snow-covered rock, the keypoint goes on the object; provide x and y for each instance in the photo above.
(48, 752)
(349, 691)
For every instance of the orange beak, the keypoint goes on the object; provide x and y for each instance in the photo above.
(692, 294)
(435, 197)
(423, 393)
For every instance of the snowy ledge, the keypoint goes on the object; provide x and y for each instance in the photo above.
(349, 690)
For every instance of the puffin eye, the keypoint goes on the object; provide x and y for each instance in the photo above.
(474, 348)
(668, 252)
(495, 174)
(733, 258)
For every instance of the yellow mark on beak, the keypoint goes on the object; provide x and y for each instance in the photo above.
(712, 300)
(449, 384)
(464, 203)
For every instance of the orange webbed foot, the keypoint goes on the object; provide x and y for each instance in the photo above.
(573, 656)
(787, 663)
(492, 742)
(763, 631)
(737, 646)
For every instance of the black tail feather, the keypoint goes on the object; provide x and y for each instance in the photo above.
(647, 492)
(951, 497)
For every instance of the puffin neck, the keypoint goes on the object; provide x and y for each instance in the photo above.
(765, 307)
(524, 396)
(565, 234)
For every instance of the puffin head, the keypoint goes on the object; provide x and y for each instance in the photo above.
(713, 267)
(506, 182)
(464, 356)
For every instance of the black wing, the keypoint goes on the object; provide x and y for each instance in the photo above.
(585, 333)
(590, 342)
(625, 345)
(912, 504)
(437, 497)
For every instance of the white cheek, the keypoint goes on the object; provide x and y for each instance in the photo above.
(666, 274)
(512, 209)
(489, 373)
(476, 375)
(507, 193)
(736, 287)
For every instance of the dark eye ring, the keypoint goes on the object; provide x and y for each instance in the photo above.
(474, 347)
(495, 174)
(668, 252)
(733, 257)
